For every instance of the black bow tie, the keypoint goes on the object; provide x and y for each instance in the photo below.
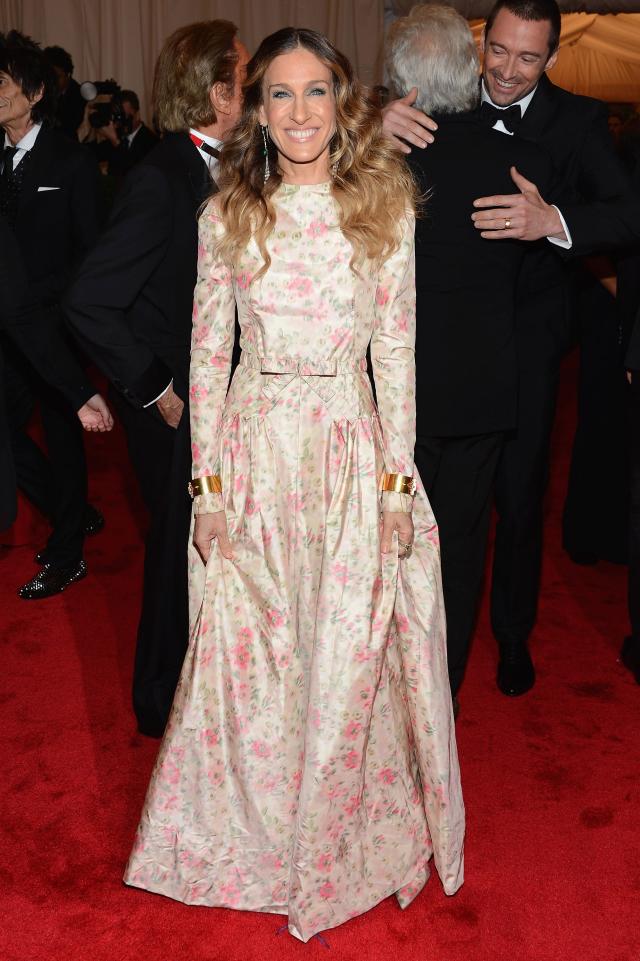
(510, 116)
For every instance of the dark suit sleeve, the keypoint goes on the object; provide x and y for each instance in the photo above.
(609, 217)
(33, 331)
(84, 206)
(113, 275)
(632, 358)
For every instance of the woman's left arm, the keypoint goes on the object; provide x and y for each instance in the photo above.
(393, 360)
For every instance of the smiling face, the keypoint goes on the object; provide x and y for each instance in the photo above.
(15, 107)
(298, 106)
(516, 54)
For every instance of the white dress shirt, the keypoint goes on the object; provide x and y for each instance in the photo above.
(131, 136)
(210, 161)
(498, 125)
(24, 145)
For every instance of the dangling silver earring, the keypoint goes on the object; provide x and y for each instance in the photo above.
(267, 171)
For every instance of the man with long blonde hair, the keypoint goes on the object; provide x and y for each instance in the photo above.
(131, 308)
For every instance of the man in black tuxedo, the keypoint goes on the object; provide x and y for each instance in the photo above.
(139, 140)
(48, 195)
(466, 359)
(42, 343)
(130, 142)
(598, 210)
(131, 307)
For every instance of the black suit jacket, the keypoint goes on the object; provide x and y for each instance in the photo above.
(55, 228)
(143, 142)
(132, 300)
(466, 369)
(31, 330)
(593, 190)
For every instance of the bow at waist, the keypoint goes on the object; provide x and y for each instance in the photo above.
(301, 368)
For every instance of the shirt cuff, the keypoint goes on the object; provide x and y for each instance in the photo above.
(565, 244)
(155, 401)
(394, 501)
(207, 503)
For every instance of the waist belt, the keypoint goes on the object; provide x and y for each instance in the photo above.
(302, 368)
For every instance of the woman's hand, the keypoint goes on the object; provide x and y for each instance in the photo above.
(403, 524)
(208, 527)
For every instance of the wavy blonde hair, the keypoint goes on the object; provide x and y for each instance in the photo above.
(371, 183)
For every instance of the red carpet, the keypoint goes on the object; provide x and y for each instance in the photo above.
(551, 780)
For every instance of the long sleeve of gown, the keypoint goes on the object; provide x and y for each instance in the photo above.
(393, 360)
(211, 350)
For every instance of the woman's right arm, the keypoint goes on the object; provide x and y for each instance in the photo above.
(211, 349)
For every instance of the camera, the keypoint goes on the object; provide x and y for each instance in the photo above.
(106, 112)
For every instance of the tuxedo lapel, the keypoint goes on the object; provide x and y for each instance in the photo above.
(38, 170)
(200, 183)
(540, 112)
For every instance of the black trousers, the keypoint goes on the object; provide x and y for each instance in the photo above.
(543, 336)
(161, 458)
(599, 469)
(634, 500)
(458, 475)
(55, 483)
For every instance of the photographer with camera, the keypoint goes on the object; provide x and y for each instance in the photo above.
(48, 199)
(113, 126)
(137, 143)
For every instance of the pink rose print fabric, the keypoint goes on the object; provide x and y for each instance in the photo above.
(309, 767)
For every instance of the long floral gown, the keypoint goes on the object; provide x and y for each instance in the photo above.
(309, 767)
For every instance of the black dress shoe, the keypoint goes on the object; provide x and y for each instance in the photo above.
(630, 656)
(52, 580)
(516, 673)
(93, 521)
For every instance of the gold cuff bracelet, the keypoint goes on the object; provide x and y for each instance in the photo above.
(205, 485)
(400, 483)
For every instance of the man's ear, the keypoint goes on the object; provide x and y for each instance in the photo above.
(483, 40)
(552, 59)
(38, 95)
(220, 98)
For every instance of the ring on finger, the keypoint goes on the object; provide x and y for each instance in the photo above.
(405, 549)
(507, 224)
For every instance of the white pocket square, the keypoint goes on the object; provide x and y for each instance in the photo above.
(47, 188)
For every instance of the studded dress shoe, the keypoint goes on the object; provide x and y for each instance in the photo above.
(630, 656)
(516, 673)
(52, 580)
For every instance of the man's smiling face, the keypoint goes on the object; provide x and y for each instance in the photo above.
(516, 54)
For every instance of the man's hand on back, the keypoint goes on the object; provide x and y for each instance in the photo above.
(400, 119)
(523, 216)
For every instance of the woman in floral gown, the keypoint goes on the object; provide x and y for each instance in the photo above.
(309, 767)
